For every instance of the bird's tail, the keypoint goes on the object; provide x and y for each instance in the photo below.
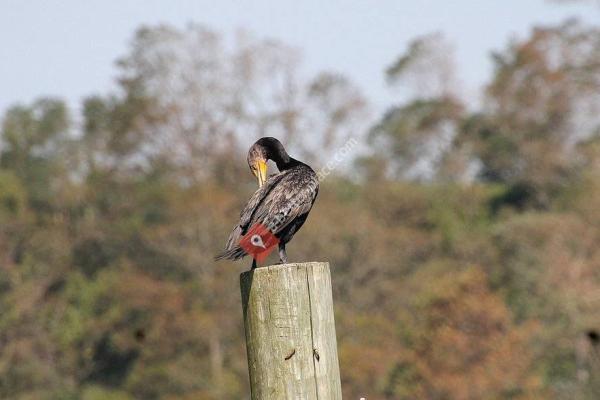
(232, 251)
(231, 254)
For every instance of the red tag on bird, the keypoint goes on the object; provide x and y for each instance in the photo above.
(258, 242)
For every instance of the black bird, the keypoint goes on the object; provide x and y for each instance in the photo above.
(282, 201)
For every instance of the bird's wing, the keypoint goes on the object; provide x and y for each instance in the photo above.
(233, 250)
(293, 196)
(249, 210)
(276, 204)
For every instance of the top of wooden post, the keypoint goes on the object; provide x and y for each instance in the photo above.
(275, 267)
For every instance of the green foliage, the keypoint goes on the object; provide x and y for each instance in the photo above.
(12, 196)
(410, 133)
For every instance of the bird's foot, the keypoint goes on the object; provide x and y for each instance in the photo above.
(282, 254)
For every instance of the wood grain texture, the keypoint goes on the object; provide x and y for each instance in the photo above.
(290, 332)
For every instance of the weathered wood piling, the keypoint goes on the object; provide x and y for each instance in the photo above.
(290, 332)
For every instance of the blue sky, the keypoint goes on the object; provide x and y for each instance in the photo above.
(68, 47)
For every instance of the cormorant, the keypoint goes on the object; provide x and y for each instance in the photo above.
(282, 201)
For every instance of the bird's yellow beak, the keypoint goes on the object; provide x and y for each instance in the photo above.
(260, 170)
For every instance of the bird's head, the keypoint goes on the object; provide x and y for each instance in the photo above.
(265, 149)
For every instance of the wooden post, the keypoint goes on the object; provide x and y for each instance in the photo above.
(290, 332)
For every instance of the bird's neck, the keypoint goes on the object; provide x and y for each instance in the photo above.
(284, 163)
